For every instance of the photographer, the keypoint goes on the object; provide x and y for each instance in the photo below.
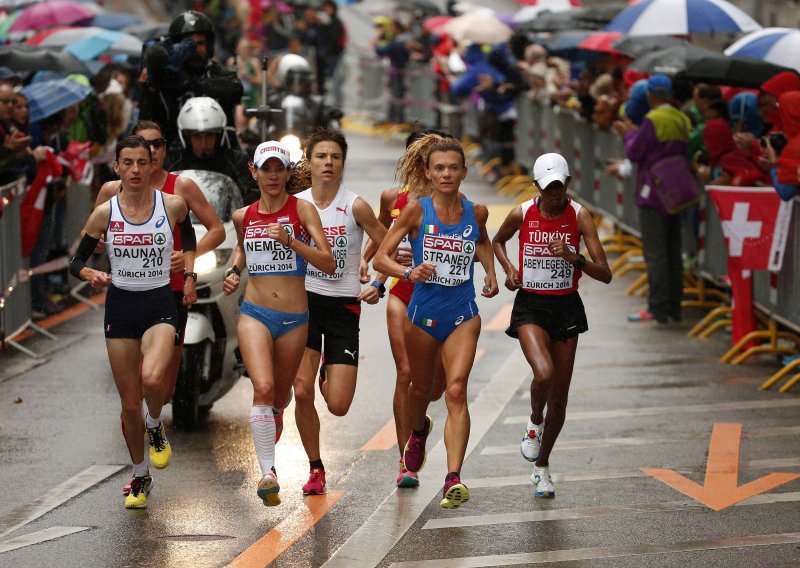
(784, 163)
(179, 67)
(203, 135)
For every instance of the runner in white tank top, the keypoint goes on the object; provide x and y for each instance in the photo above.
(141, 318)
(334, 303)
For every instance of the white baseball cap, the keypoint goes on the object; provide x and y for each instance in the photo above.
(271, 149)
(549, 168)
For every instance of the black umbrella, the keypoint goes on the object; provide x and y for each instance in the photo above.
(670, 60)
(721, 69)
(22, 57)
(594, 17)
(147, 31)
(425, 6)
(636, 46)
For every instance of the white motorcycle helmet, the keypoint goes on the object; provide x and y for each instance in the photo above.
(202, 114)
(294, 74)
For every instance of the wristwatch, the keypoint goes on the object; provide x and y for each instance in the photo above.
(579, 264)
(407, 273)
(233, 270)
(187, 275)
(381, 288)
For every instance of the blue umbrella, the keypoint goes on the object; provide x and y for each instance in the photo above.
(114, 20)
(681, 17)
(48, 97)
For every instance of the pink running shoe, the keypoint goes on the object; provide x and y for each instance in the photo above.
(414, 454)
(406, 478)
(455, 493)
(316, 483)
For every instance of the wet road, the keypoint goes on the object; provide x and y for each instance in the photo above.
(641, 398)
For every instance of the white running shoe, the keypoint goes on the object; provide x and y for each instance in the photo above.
(544, 485)
(531, 444)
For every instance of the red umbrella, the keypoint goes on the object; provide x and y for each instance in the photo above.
(433, 23)
(41, 36)
(51, 13)
(601, 41)
(573, 3)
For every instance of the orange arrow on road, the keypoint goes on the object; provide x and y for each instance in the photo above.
(721, 489)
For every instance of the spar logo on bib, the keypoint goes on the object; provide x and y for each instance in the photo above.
(469, 247)
(160, 239)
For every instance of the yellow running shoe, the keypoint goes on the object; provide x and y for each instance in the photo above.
(137, 498)
(268, 489)
(455, 493)
(160, 450)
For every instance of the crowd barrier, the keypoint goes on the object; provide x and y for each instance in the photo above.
(15, 270)
(543, 128)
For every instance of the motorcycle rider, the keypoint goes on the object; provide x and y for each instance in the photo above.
(181, 66)
(206, 146)
(197, 203)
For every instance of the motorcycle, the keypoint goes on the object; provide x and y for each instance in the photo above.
(210, 366)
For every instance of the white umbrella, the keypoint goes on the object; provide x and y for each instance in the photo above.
(776, 45)
(476, 27)
(681, 17)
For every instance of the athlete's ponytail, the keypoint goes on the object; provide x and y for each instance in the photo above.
(299, 177)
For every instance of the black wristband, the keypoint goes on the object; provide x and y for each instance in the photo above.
(580, 263)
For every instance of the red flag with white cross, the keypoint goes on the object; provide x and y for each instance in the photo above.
(755, 223)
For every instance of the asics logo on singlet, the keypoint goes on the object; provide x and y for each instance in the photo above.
(351, 353)
(468, 231)
(160, 222)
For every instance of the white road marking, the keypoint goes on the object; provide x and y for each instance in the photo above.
(661, 410)
(603, 474)
(578, 554)
(390, 521)
(38, 537)
(593, 512)
(641, 441)
(56, 496)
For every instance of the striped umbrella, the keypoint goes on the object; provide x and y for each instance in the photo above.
(48, 97)
(776, 45)
(681, 17)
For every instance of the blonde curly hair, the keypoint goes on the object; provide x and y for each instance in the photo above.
(411, 168)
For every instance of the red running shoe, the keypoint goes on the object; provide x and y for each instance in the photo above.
(414, 454)
(316, 483)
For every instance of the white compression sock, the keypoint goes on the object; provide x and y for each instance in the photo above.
(262, 425)
(151, 422)
(140, 469)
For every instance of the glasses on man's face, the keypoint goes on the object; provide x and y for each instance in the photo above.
(6, 101)
(157, 143)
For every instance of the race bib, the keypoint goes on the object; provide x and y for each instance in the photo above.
(452, 257)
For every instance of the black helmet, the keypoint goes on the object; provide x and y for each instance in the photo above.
(192, 22)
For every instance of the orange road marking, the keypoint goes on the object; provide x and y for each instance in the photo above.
(501, 318)
(57, 319)
(721, 488)
(275, 542)
(386, 438)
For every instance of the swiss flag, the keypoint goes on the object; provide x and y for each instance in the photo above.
(755, 222)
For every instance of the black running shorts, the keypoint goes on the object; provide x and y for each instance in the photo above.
(183, 317)
(562, 317)
(130, 314)
(337, 320)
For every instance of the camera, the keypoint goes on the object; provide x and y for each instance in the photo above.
(776, 139)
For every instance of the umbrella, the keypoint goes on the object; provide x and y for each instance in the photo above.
(88, 43)
(551, 3)
(723, 69)
(48, 97)
(682, 17)
(425, 6)
(594, 17)
(147, 31)
(7, 23)
(433, 23)
(670, 60)
(477, 28)
(636, 46)
(530, 13)
(776, 45)
(565, 44)
(51, 13)
(114, 20)
(600, 42)
(22, 57)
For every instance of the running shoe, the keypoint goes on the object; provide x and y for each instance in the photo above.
(278, 414)
(406, 478)
(268, 489)
(414, 454)
(160, 450)
(544, 485)
(148, 484)
(137, 498)
(531, 444)
(316, 483)
(455, 493)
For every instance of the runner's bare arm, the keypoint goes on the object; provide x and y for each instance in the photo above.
(407, 224)
(596, 268)
(483, 251)
(232, 278)
(508, 229)
(92, 233)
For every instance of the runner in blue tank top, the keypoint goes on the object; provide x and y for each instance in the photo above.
(446, 233)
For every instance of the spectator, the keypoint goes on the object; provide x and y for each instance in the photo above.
(744, 115)
(768, 96)
(20, 114)
(785, 165)
(663, 133)
(728, 165)
(332, 40)
(390, 43)
(248, 70)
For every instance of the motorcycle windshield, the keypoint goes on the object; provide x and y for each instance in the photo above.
(220, 191)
